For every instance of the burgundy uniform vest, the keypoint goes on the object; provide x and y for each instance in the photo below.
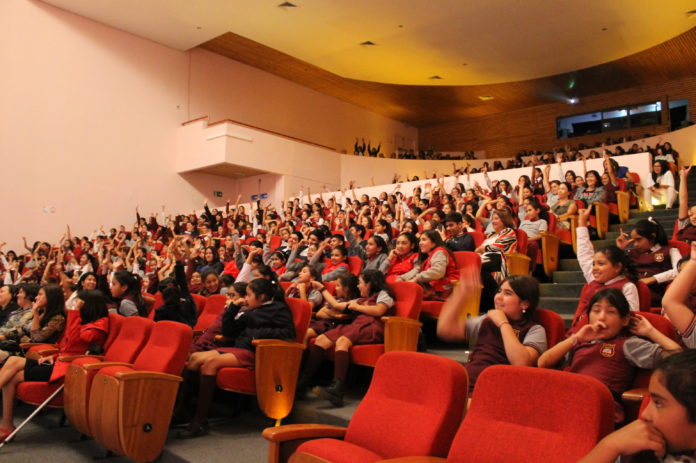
(651, 263)
(490, 349)
(589, 290)
(606, 362)
(687, 234)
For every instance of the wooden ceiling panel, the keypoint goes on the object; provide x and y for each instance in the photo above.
(424, 106)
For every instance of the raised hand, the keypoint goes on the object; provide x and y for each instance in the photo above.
(583, 217)
(622, 241)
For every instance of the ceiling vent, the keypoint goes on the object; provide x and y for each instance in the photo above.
(368, 43)
(485, 97)
(287, 5)
(436, 77)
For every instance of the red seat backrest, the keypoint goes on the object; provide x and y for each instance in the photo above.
(664, 326)
(683, 246)
(467, 259)
(552, 222)
(274, 242)
(301, 313)
(355, 265)
(200, 301)
(530, 419)
(115, 321)
(643, 296)
(166, 349)
(675, 233)
(159, 302)
(521, 241)
(553, 325)
(410, 414)
(330, 287)
(478, 237)
(285, 285)
(134, 333)
(214, 305)
(407, 298)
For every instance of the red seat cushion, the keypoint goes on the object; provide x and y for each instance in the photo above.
(366, 354)
(35, 393)
(241, 380)
(338, 451)
(432, 308)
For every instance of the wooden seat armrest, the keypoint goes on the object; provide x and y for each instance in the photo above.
(276, 343)
(413, 460)
(401, 333)
(135, 375)
(221, 338)
(100, 365)
(623, 201)
(197, 332)
(517, 263)
(47, 352)
(635, 395)
(70, 358)
(550, 236)
(290, 432)
(29, 345)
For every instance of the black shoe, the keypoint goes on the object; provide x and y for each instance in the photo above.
(179, 419)
(192, 431)
(333, 392)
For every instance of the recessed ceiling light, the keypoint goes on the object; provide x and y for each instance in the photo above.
(436, 77)
(287, 5)
(573, 100)
(368, 43)
(465, 64)
(199, 27)
(604, 29)
(485, 97)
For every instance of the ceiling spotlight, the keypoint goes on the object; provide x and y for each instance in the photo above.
(368, 43)
(485, 97)
(573, 100)
(435, 77)
(287, 5)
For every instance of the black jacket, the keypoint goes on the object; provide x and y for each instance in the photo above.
(272, 320)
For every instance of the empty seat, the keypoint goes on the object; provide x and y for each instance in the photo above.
(401, 415)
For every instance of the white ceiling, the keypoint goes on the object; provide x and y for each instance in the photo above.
(499, 40)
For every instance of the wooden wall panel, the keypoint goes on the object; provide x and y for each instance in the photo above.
(504, 134)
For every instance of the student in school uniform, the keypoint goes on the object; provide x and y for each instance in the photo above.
(679, 301)
(435, 269)
(655, 260)
(605, 349)
(686, 224)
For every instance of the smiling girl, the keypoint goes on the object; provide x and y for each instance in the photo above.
(608, 267)
(605, 349)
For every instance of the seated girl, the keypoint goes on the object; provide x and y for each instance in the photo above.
(505, 335)
(502, 240)
(303, 288)
(333, 312)
(534, 225)
(655, 260)
(337, 264)
(262, 315)
(608, 267)
(403, 257)
(679, 301)
(435, 269)
(605, 349)
(178, 304)
(565, 206)
(89, 328)
(661, 186)
(375, 301)
(125, 288)
(666, 430)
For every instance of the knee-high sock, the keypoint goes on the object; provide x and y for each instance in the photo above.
(205, 398)
(314, 359)
(341, 363)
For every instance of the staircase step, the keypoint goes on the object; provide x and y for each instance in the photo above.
(560, 289)
(561, 305)
(568, 276)
(598, 244)
(568, 264)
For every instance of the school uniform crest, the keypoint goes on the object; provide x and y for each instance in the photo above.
(659, 257)
(608, 350)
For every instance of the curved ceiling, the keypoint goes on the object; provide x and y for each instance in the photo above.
(464, 42)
